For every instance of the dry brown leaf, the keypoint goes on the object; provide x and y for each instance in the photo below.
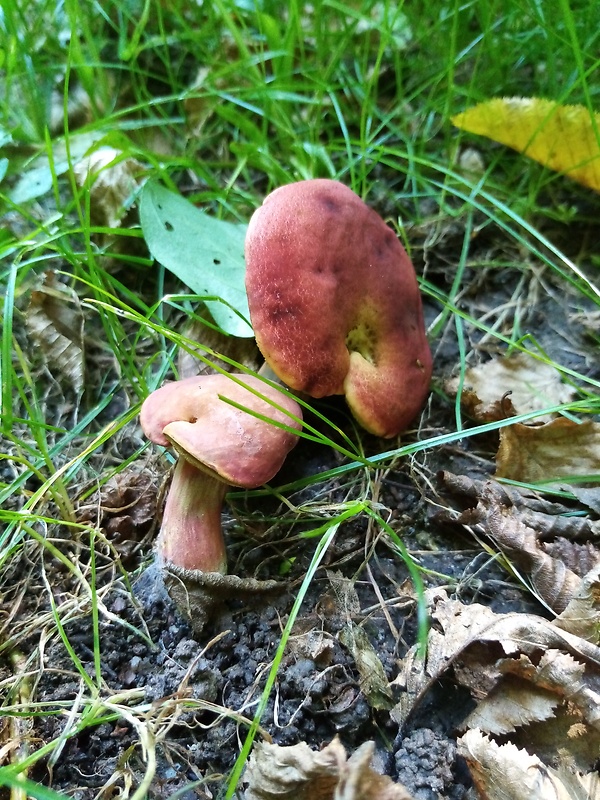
(564, 739)
(558, 449)
(55, 322)
(113, 180)
(244, 351)
(299, 773)
(531, 691)
(561, 674)
(313, 643)
(511, 705)
(504, 772)
(457, 627)
(544, 677)
(582, 615)
(555, 569)
(523, 498)
(343, 595)
(552, 579)
(588, 496)
(511, 385)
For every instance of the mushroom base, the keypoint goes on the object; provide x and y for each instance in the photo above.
(199, 594)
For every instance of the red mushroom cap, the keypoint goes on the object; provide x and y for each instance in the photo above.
(217, 437)
(335, 303)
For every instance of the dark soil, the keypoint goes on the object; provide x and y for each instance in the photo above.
(148, 650)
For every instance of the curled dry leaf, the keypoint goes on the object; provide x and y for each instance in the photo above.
(530, 691)
(588, 496)
(551, 578)
(510, 385)
(582, 614)
(558, 449)
(468, 490)
(457, 628)
(555, 570)
(511, 705)
(113, 180)
(312, 642)
(242, 351)
(550, 520)
(299, 773)
(55, 322)
(561, 674)
(505, 772)
(542, 690)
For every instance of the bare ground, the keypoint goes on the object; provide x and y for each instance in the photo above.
(203, 689)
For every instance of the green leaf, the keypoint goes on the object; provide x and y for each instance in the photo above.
(206, 253)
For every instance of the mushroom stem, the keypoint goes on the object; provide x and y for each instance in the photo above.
(190, 534)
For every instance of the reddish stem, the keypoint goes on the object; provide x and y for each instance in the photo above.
(190, 534)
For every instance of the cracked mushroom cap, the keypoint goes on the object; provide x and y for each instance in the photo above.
(335, 304)
(217, 437)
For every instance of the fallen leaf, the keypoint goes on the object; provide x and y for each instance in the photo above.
(242, 351)
(588, 496)
(55, 322)
(373, 680)
(205, 253)
(510, 705)
(562, 137)
(582, 615)
(531, 681)
(343, 595)
(510, 385)
(505, 772)
(551, 578)
(299, 773)
(530, 691)
(457, 627)
(561, 674)
(112, 180)
(549, 519)
(555, 569)
(313, 643)
(557, 450)
(293, 773)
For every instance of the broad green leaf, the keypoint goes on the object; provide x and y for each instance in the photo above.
(562, 137)
(206, 253)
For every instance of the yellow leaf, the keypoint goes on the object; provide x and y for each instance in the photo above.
(564, 138)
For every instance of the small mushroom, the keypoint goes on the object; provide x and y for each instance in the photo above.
(335, 304)
(218, 445)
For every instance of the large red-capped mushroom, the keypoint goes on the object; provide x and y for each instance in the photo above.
(335, 304)
(219, 446)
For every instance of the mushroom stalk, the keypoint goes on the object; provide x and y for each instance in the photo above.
(190, 534)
